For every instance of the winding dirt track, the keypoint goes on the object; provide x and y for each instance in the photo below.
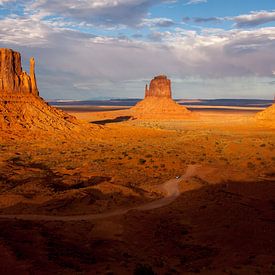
(171, 188)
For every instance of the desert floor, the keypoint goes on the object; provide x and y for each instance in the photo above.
(219, 221)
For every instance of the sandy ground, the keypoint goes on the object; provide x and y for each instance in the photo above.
(221, 223)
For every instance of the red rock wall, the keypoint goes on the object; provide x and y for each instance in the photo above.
(160, 86)
(12, 78)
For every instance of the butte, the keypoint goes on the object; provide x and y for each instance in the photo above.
(21, 107)
(158, 102)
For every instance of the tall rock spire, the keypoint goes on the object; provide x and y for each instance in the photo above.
(34, 89)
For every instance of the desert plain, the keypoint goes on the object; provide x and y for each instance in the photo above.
(64, 195)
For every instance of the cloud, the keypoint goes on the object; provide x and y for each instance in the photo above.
(254, 19)
(2, 2)
(24, 31)
(194, 2)
(202, 19)
(101, 12)
(72, 63)
(157, 22)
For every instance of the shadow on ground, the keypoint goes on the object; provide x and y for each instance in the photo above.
(115, 120)
(221, 229)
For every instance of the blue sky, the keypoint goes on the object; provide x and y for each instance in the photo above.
(111, 48)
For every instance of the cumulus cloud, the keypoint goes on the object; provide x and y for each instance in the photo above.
(66, 58)
(105, 12)
(254, 18)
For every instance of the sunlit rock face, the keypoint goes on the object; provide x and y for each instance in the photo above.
(160, 86)
(158, 102)
(13, 80)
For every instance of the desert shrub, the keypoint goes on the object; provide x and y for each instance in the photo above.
(141, 161)
(148, 156)
(262, 145)
(250, 165)
(143, 269)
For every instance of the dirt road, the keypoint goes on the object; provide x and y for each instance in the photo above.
(171, 189)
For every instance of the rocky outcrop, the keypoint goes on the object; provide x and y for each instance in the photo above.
(158, 102)
(160, 86)
(13, 80)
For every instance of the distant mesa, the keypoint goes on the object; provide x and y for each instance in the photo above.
(20, 104)
(158, 102)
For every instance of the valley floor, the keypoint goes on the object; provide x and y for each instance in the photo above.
(222, 222)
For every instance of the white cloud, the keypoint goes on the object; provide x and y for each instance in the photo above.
(254, 18)
(194, 2)
(24, 31)
(2, 2)
(103, 12)
(157, 22)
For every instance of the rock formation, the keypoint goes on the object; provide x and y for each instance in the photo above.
(20, 104)
(13, 79)
(160, 86)
(158, 102)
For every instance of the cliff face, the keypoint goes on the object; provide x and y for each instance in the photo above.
(160, 86)
(13, 80)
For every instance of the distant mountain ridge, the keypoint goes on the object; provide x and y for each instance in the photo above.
(194, 102)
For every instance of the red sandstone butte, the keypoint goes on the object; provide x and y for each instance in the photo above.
(13, 79)
(158, 102)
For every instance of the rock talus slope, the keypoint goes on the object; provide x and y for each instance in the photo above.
(267, 114)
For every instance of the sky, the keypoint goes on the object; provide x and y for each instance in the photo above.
(100, 49)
